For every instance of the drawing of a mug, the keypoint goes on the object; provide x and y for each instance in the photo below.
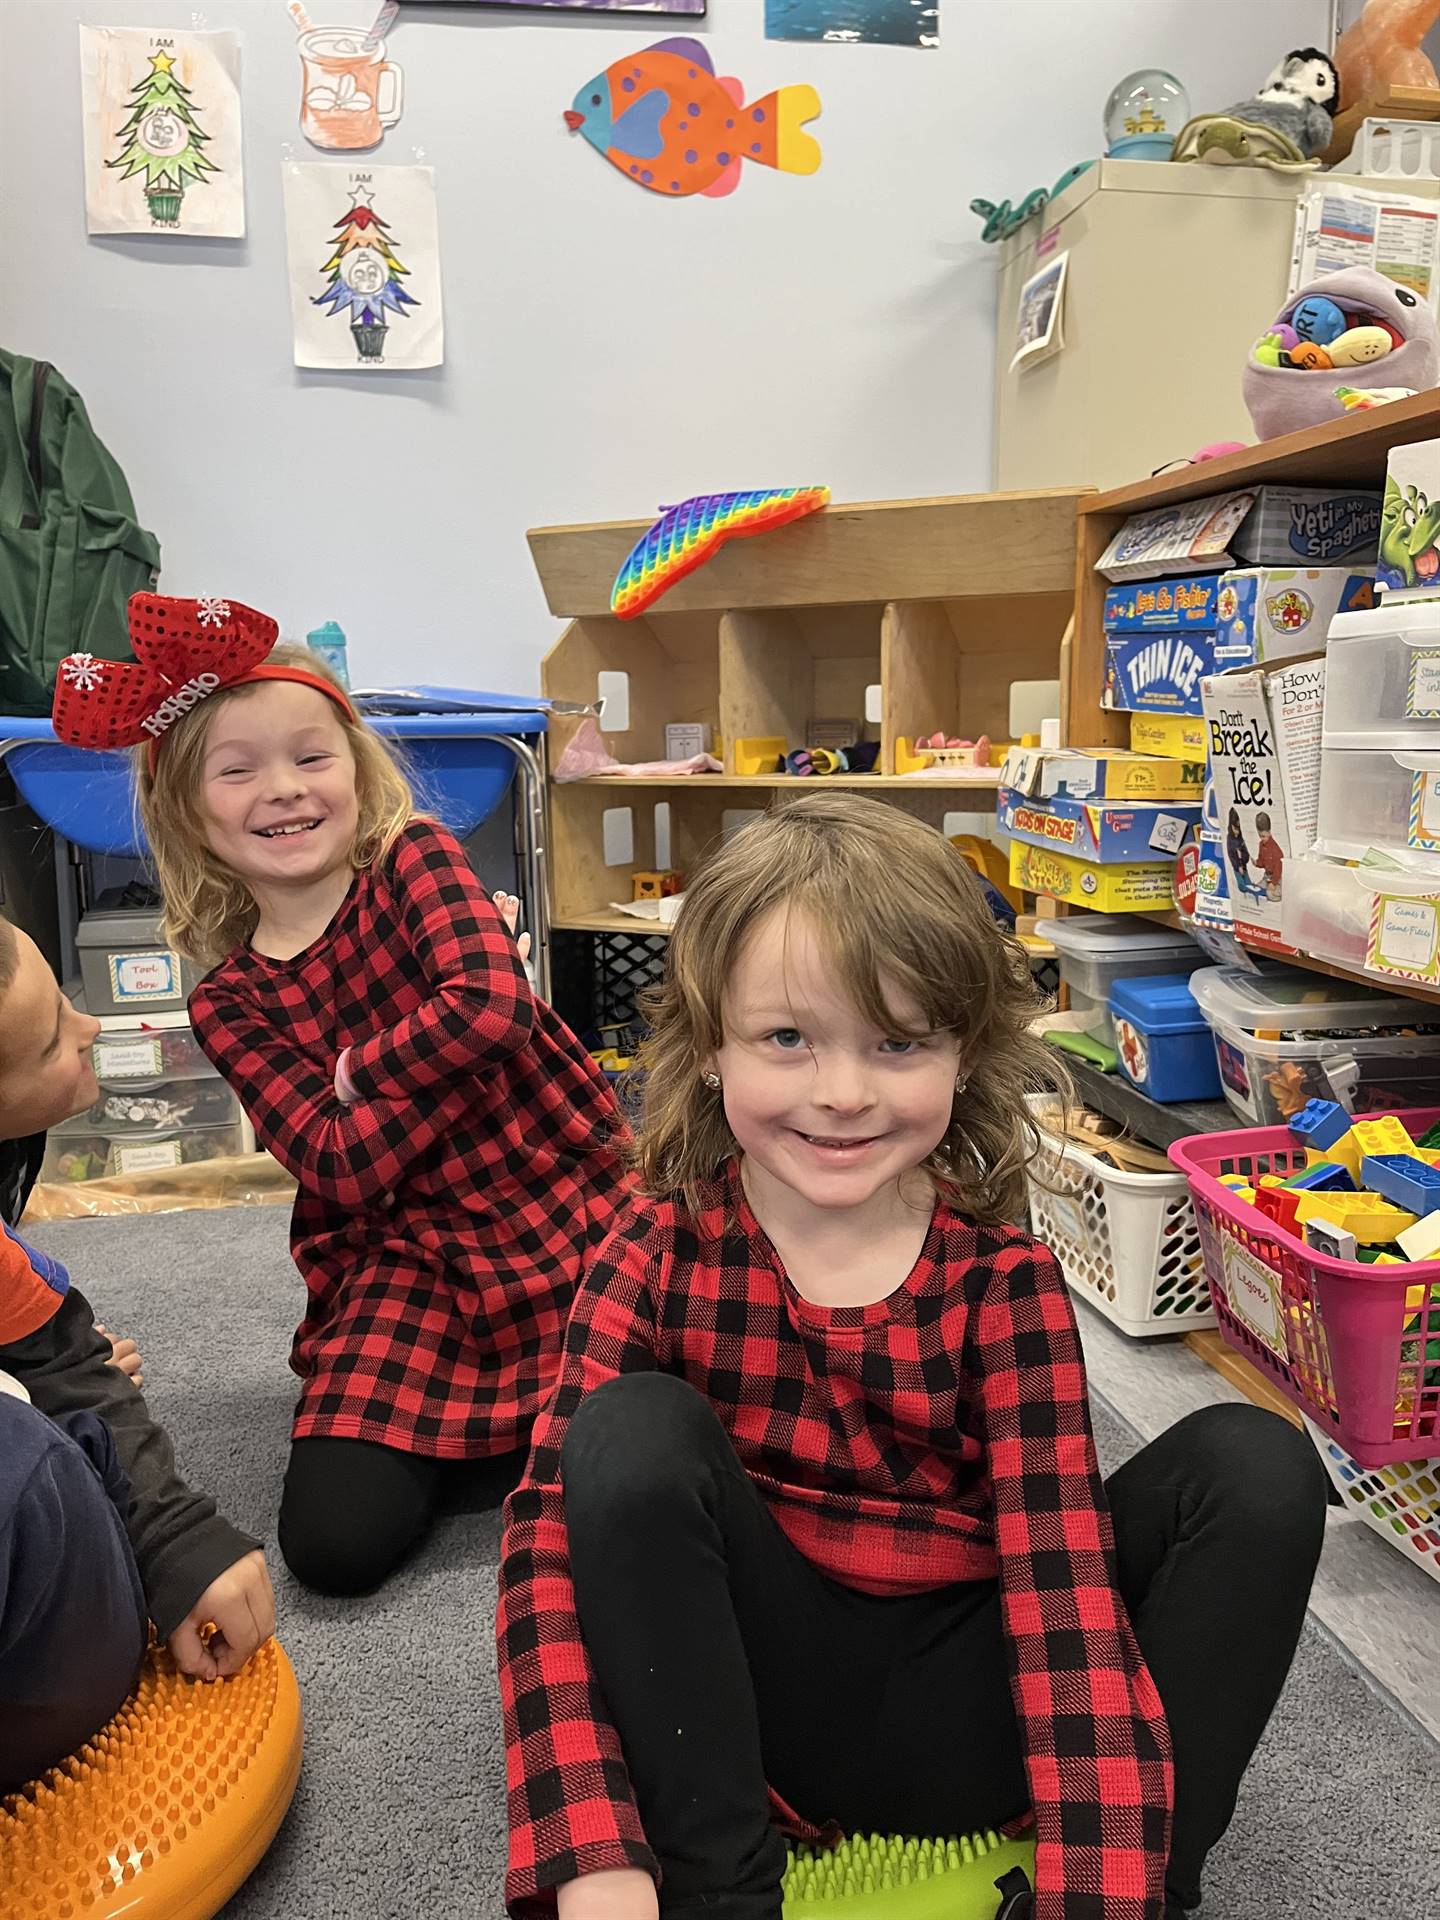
(350, 93)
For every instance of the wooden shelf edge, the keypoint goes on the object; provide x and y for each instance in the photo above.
(867, 507)
(1351, 452)
(1216, 1352)
(788, 782)
(610, 923)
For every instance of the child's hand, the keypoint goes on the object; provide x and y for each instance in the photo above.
(508, 907)
(620, 1893)
(241, 1607)
(125, 1355)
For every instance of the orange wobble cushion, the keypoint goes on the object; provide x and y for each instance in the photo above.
(168, 1809)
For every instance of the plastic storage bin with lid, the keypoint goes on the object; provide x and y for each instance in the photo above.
(1097, 949)
(1283, 1037)
(1162, 1039)
(1382, 674)
(1385, 794)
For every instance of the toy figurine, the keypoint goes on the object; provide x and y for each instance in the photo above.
(1287, 125)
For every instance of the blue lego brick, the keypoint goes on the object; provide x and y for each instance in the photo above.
(1320, 1123)
(1326, 1176)
(1404, 1180)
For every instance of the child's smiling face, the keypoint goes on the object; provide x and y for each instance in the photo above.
(278, 787)
(45, 1070)
(820, 1100)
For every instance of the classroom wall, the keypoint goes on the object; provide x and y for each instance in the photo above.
(606, 350)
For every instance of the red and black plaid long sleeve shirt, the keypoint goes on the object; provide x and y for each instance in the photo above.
(443, 1216)
(968, 1455)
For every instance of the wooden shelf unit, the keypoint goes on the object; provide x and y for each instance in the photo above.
(1344, 453)
(940, 603)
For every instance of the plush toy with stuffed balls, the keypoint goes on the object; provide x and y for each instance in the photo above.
(1343, 335)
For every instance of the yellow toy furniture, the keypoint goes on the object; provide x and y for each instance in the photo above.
(168, 1809)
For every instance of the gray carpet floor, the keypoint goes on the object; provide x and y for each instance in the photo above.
(401, 1811)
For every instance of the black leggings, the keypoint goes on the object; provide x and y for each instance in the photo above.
(352, 1511)
(728, 1661)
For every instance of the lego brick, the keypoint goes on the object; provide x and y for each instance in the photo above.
(1422, 1241)
(1403, 1180)
(1431, 1136)
(1325, 1237)
(1279, 1205)
(1324, 1176)
(1369, 1219)
(1382, 1136)
(1320, 1123)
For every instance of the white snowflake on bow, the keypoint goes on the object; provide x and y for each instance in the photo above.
(83, 672)
(212, 612)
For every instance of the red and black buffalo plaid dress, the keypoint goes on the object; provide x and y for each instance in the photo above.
(940, 1435)
(442, 1218)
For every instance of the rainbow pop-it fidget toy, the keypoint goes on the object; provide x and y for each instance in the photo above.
(168, 1809)
(684, 538)
(879, 1877)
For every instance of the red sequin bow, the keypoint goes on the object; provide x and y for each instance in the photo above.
(185, 650)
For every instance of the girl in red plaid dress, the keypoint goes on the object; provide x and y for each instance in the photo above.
(454, 1145)
(814, 1520)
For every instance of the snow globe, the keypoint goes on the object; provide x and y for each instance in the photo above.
(1144, 114)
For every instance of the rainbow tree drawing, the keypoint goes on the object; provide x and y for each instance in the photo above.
(365, 276)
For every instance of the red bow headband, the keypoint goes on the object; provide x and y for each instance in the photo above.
(185, 650)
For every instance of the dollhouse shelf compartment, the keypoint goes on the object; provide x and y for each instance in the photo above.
(1343, 453)
(938, 603)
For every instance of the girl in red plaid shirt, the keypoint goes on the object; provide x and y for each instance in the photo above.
(814, 1522)
(454, 1145)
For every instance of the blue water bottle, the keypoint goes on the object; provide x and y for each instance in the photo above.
(329, 642)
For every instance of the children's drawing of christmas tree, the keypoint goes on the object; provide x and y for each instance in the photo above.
(365, 276)
(163, 140)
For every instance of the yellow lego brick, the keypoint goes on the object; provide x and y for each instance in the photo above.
(1381, 1136)
(1372, 1221)
(1423, 1243)
(1393, 1260)
(1345, 1151)
(1270, 1180)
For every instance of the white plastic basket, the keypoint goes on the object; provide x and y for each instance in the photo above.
(1395, 150)
(1401, 1502)
(1127, 1242)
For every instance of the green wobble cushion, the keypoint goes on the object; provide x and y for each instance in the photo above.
(875, 1877)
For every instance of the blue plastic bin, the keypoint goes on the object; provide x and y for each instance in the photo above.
(456, 755)
(1163, 1039)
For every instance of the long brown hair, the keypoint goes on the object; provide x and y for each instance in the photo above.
(209, 913)
(899, 911)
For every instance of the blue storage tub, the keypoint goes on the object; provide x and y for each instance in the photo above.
(1163, 1039)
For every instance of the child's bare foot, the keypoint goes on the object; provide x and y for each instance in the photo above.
(125, 1355)
(509, 909)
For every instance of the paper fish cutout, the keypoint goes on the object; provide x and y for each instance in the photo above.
(663, 117)
(684, 537)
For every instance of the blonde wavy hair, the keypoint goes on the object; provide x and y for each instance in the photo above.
(208, 912)
(900, 913)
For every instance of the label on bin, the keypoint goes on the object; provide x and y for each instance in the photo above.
(151, 975)
(1254, 1295)
(127, 1060)
(1405, 937)
(1422, 694)
(155, 1153)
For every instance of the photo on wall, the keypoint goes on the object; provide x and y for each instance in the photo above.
(363, 247)
(162, 132)
(894, 23)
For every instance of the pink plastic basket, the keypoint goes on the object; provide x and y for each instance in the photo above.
(1345, 1341)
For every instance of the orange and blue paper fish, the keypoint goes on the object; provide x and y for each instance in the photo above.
(684, 537)
(663, 118)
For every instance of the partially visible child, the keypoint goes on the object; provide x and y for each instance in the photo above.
(815, 1511)
(1269, 856)
(455, 1146)
(1236, 847)
(98, 1533)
